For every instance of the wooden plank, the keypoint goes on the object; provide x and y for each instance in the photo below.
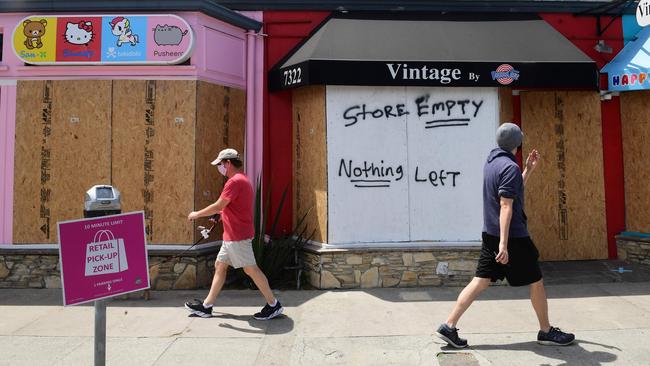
(565, 197)
(33, 115)
(169, 159)
(128, 125)
(209, 141)
(79, 144)
(505, 105)
(310, 159)
(636, 134)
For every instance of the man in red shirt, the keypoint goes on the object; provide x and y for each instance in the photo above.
(235, 204)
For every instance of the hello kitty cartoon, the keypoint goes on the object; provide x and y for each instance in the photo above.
(79, 33)
(121, 28)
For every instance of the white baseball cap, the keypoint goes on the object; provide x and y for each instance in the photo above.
(226, 154)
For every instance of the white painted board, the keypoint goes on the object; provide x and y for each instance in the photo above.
(450, 133)
(367, 173)
(406, 163)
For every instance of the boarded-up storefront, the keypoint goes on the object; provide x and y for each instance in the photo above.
(153, 140)
(389, 155)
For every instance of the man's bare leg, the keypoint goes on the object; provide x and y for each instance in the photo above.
(540, 304)
(220, 272)
(465, 299)
(261, 282)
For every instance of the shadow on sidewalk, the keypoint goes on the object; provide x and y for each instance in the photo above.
(279, 325)
(574, 354)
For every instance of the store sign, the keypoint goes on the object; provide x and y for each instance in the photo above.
(643, 13)
(446, 74)
(103, 40)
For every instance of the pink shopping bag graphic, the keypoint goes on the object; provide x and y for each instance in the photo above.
(103, 257)
(105, 254)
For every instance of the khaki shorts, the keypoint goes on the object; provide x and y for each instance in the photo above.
(237, 253)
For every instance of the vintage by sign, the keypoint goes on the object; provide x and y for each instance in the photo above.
(103, 39)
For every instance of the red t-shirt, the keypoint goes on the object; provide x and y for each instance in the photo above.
(237, 217)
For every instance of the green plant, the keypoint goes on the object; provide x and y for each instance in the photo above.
(277, 253)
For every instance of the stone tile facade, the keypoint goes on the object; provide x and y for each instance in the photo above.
(40, 269)
(391, 267)
(633, 249)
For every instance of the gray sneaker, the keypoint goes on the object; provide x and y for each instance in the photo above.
(555, 337)
(450, 335)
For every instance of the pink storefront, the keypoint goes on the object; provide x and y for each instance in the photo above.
(141, 100)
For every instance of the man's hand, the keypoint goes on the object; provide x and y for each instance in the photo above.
(531, 160)
(502, 256)
(193, 215)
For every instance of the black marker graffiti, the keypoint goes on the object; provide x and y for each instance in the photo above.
(437, 177)
(148, 161)
(370, 174)
(560, 151)
(356, 112)
(462, 109)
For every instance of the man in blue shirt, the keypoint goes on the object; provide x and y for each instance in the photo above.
(507, 250)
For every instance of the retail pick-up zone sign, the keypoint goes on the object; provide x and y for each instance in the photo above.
(103, 39)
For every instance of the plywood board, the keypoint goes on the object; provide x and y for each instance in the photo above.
(636, 134)
(310, 160)
(209, 141)
(32, 112)
(236, 120)
(128, 126)
(450, 134)
(565, 200)
(80, 143)
(505, 105)
(171, 159)
(367, 165)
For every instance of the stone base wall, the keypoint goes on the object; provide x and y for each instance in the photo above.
(393, 267)
(633, 249)
(40, 269)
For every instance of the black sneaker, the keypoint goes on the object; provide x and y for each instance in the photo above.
(555, 337)
(450, 335)
(196, 307)
(269, 312)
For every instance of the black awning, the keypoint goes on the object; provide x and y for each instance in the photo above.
(518, 53)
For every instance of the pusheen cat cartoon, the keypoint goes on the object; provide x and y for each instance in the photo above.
(121, 28)
(79, 33)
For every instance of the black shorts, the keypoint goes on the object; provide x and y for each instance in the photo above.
(522, 268)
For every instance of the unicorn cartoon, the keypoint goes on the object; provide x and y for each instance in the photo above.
(121, 27)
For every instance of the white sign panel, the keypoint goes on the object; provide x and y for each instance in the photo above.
(450, 133)
(406, 163)
(367, 166)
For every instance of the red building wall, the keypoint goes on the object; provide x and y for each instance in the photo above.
(285, 30)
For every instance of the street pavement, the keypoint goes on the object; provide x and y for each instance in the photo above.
(610, 317)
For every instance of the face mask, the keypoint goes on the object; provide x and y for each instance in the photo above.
(222, 169)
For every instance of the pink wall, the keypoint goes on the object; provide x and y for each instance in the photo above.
(223, 54)
(7, 132)
(255, 100)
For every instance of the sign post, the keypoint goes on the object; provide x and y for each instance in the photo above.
(102, 256)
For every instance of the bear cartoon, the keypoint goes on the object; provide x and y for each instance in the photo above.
(33, 32)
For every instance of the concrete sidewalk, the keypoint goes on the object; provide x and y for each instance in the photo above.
(372, 327)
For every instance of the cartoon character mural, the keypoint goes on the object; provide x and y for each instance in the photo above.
(79, 33)
(168, 35)
(33, 31)
(121, 28)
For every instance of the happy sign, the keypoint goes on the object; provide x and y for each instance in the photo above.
(103, 39)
